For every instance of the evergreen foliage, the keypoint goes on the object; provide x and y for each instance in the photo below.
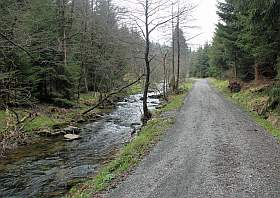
(246, 44)
(52, 50)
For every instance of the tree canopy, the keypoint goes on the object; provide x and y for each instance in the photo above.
(246, 43)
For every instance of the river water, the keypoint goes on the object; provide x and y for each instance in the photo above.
(52, 166)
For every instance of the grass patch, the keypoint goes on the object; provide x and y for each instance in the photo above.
(2, 120)
(135, 89)
(267, 125)
(186, 86)
(41, 122)
(247, 100)
(176, 101)
(132, 153)
(128, 158)
(88, 96)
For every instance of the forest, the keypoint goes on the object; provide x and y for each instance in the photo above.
(246, 44)
(68, 57)
(68, 68)
(89, 87)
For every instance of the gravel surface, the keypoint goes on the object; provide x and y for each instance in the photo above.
(213, 150)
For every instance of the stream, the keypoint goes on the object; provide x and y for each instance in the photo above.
(52, 166)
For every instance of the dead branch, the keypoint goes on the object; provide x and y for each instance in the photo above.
(113, 93)
(17, 45)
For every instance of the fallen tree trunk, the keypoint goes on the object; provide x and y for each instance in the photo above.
(111, 94)
(17, 45)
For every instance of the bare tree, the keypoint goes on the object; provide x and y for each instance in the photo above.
(148, 16)
(164, 53)
(172, 85)
(178, 49)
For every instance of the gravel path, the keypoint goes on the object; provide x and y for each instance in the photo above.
(213, 150)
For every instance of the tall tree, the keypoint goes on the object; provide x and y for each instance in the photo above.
(247, 39)
(147, 19)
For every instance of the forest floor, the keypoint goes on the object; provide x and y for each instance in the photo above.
(214, 150)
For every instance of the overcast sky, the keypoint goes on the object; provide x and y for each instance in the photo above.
(204, 17)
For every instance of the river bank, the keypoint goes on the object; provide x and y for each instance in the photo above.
(50, 166)
(47, 120)
(128, 157)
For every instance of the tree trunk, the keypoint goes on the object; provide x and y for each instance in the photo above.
(235, 67)
(64, 47)
(257, 72)
(84, 47)
(172, 81)
(147, 114)
(178, 54)
(62, 30)
(164, 75)
(85, 78)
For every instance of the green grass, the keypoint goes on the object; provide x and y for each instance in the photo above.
(266, 125)
(246, 99)
(41, 122)
(221, 85)
(2, 120)
(186, 86)
(88, 96)
(176, 102)
(132, 153)
(135, 89)
(128, 158)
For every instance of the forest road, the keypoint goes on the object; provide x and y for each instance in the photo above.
(213, 150)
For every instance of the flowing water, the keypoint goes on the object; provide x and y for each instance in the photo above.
(52, 166)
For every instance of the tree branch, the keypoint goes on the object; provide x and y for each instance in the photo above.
(17, 45)
(113, 93)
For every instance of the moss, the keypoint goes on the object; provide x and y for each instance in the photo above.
(247, 100)
(132, 153)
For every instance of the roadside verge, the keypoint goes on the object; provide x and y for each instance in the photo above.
(253, 101)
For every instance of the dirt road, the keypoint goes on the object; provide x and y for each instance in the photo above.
(213, 150)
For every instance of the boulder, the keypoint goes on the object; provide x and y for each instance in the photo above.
(72, 137)
(159, 96)
(80, 120)
(72, 129)
(50, 133)
(60, 126)
(44, 132)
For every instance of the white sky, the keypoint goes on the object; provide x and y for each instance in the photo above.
(204, 16)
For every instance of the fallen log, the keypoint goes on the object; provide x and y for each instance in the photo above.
(113, 93)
